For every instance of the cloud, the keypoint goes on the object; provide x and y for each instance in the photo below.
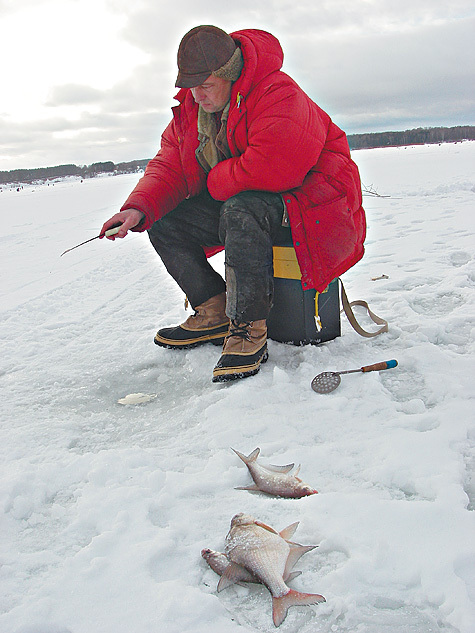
(72, 94)
(89, 138)
(372, 65)
(417, 74)
(362, 61)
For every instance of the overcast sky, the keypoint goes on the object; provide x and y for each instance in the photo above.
(93, 80)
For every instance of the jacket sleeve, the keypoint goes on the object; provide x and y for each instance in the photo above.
(285, 137)
(163, 184)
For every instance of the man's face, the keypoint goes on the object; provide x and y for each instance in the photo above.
(213, 94)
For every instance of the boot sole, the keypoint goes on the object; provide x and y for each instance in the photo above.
(217, 340)
(227, 374)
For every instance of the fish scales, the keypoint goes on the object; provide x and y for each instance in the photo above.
(261, 552)
(219, 563)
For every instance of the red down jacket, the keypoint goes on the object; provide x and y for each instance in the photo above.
(280, 141)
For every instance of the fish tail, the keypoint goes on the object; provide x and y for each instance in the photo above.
(250, 458)
(293, 598)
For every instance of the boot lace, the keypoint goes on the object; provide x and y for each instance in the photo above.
(240, 329)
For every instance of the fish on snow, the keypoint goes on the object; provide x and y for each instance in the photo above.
(274, 480)
(259, 549)
(219, 562)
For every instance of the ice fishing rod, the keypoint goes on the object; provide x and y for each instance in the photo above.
(112, 231)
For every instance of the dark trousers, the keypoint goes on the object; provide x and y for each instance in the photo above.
(247, 225)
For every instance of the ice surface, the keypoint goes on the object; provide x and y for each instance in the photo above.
(105, 508)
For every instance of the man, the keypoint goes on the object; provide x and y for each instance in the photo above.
(247, 154)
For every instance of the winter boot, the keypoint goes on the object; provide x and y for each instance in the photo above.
(245, 348)
(209, 323)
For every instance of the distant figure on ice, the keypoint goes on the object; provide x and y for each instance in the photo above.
(246, 156)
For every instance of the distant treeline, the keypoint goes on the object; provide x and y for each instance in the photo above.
(61, 171)
(418, 136)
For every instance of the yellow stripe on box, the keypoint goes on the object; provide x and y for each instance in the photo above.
(285, 263)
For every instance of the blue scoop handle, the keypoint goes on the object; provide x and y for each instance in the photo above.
(389, 364)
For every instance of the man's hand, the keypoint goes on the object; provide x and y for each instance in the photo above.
(128, 219)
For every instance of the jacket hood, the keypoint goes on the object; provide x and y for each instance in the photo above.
(262, 54)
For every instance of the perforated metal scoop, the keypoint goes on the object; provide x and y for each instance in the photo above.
(328, 381)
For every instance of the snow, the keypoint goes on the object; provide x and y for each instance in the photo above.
(105, 507)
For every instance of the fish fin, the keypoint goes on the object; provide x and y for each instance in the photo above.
(281, 605)
(279, 469)
(252, 487)
(289, 531)
(223, 583)
(297, 472)
(296, 552)
(232, 574)
(265, 526)
(291, 576)
(250, 458)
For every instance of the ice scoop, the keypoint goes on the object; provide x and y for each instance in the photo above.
(327, 381)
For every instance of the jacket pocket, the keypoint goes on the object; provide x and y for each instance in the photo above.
(331, 233)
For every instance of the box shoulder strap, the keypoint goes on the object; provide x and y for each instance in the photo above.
(347, 309)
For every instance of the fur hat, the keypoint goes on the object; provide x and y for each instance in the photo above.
(203, 51)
